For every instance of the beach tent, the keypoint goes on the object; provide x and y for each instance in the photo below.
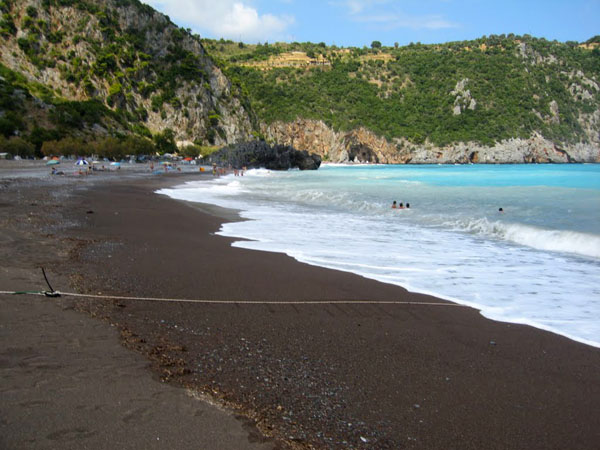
(115, 163)
(53, 162)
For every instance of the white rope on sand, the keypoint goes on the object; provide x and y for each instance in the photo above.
(237, 302)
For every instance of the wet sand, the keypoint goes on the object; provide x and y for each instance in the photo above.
(322, 376)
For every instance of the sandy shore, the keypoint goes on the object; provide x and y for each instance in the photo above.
(67, 382)
(323, 376)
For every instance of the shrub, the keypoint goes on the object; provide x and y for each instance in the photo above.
(165, 141)
(7, 25)
(191, 151)
(115, 89)
(31, 11)
(18, 146)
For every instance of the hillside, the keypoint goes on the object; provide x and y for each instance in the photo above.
(116, 77)
(473, 93)
(84, 69)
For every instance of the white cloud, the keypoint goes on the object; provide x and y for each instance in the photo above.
(357, 6)
(389, 17)
(232, 19)
(394, 21)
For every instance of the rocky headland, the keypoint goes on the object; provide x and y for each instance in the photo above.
(259, 154)
(364, 146)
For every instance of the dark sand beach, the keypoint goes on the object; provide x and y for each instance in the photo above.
(306, 375)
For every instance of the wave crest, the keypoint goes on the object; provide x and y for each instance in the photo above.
(583, 244)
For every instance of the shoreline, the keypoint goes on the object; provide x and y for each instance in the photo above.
(261, 242)
(338, 376)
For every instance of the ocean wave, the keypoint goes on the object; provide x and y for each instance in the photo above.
(202, 191)
(583, 244)
(259, 173)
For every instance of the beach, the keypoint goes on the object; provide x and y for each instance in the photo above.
(305, 357)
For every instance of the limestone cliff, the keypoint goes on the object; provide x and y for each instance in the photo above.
(130, 58)
(362, 145)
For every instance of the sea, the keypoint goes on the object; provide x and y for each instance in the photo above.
(536, 262)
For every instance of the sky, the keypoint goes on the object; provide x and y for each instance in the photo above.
(357, 23)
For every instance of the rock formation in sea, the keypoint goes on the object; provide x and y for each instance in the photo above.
(259, 154)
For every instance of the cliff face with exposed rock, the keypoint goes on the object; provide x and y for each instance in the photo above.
(129, 58)
(362, 145)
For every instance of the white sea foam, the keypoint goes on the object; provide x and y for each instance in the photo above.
(554, 240)
(583, 244)
(259, 173)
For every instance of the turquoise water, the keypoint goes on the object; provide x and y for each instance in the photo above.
(538, 262)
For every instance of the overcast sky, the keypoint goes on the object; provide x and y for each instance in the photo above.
(359, 22)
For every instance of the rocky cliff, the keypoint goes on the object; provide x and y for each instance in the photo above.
(130, 58)
(256, 154)
(362, 145)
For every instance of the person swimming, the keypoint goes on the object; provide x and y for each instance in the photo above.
(394, 205)
(401, 206)
(408, 206)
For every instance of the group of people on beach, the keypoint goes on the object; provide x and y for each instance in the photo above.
(217, 170)
(400, 205)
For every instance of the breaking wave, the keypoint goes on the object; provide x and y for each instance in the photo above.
(582, 244)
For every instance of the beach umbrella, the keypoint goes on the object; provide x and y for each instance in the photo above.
(53, 162)
(82, 162)
(115, 163)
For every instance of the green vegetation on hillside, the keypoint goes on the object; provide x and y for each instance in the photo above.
(410, 91)
(57, 137)
(125, 73)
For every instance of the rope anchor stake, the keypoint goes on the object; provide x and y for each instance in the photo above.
(51, 292)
